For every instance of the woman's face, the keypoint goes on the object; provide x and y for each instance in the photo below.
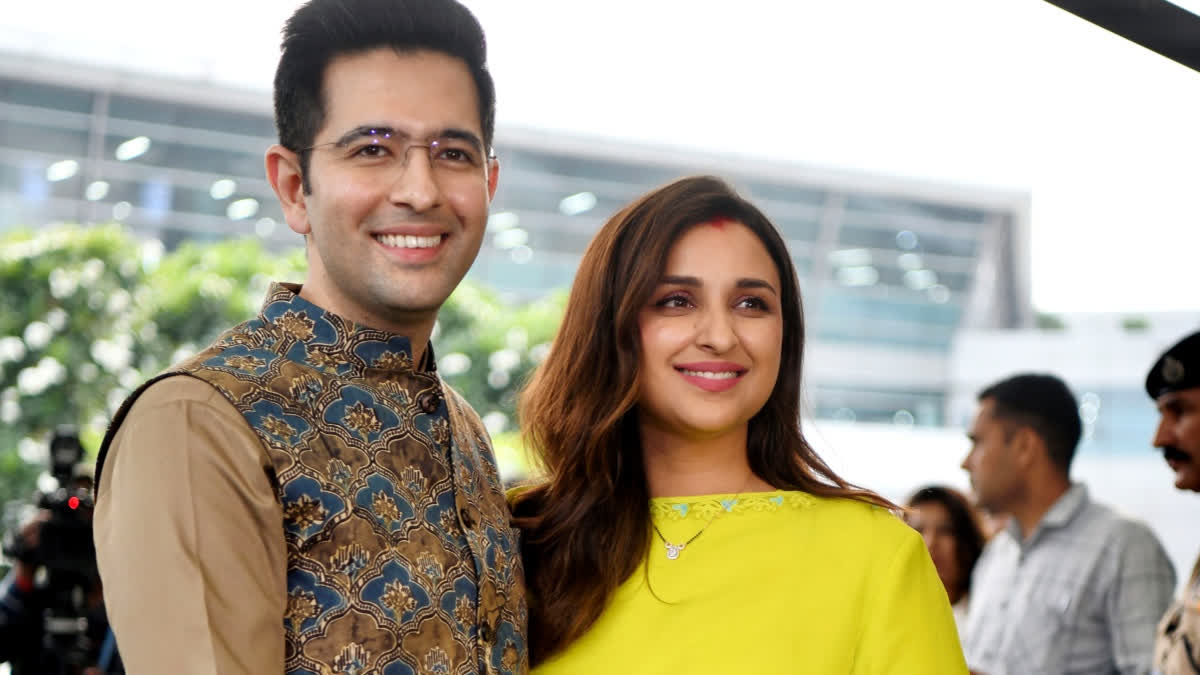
(711, 335)
(932, 520)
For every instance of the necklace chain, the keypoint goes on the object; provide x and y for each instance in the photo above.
(673, 550)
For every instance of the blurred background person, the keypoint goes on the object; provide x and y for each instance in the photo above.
(52, 614)
(1174, 384)
(953, 532)
(1069, 587)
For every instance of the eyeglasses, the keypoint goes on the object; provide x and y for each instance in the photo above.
(382, 148)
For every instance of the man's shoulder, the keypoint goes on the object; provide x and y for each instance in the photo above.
(1002, 546)
(464, 407)
(1118, 543)
(251, 333)
(1118, 527)
(175, 387)
(181, 396)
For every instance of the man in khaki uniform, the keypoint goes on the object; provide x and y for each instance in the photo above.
(1174, 384)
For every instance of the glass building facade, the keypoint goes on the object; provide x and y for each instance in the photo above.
(891, 269)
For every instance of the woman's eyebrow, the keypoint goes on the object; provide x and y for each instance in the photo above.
(756, 283)
(679, 280)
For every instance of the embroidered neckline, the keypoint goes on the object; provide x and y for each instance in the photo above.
(704, 507)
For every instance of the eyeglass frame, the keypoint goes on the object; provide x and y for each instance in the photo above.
(386, 132)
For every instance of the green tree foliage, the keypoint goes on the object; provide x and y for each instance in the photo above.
(203, 288)
(68, 336)
(487, 350)
(91, 312)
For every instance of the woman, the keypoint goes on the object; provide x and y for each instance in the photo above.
(954, 535)
(685, 525)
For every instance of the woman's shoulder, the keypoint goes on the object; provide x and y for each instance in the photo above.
(852, 518)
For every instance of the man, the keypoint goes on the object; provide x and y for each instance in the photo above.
(1068, 587)
(1174, 384)
(306, 495)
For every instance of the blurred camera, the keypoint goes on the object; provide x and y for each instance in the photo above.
(64, 541)
(59, 552)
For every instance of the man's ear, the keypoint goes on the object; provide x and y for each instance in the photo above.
(287, 180)
(493, 177)
(1028, 446)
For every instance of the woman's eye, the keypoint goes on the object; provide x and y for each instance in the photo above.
(674, 302)
(753, 303)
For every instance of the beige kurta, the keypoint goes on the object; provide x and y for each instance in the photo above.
(188, 471)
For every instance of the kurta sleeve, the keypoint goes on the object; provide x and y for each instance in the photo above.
(189, 538)
(908, 624)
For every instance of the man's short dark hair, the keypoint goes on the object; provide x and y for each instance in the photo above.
(321, 30)
(1045, 404)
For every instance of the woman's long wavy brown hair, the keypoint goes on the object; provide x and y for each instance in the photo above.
(585, 528)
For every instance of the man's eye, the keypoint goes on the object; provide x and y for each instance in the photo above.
(456, 155)
(371, 150)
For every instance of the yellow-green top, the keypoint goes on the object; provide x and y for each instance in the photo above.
(778, 582)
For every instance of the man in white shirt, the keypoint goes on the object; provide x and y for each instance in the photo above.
(1069, 587)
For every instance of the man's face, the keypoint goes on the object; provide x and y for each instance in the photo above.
(1178, 435)
(394, 226)
(991, 463)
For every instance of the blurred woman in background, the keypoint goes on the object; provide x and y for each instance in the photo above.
(953, 531)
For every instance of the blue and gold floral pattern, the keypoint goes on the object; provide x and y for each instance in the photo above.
(401, 555)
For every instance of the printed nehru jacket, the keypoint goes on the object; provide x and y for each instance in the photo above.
(401, 558)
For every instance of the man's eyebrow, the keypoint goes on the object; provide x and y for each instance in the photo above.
(364, 130)
(385, 131)
(463, 135)
(1169, 401)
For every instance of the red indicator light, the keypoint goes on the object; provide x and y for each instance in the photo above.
(73, 503)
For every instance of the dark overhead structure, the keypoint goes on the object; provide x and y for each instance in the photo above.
(1157, 25)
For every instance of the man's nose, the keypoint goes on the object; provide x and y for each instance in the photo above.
(416, 187)
(1164, 435)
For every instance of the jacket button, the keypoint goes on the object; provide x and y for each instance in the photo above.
(428, 402)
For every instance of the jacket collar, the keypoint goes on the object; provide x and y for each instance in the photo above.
(325, 341)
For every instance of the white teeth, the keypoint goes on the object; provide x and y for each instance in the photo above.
(408, 241)
(709, 375)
